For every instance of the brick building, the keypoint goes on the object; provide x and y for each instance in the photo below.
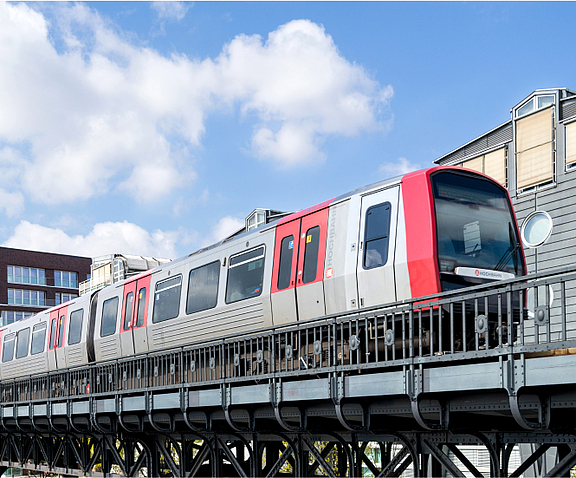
(31, 281)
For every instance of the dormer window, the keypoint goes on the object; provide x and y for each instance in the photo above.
(255, 219)
(535, 103)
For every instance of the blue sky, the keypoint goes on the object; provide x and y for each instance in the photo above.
(155, 128)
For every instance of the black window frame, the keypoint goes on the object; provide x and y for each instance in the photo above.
(213, 292)
(285, 263)
(377, 237)
(141, 307)
(8, 338)
(128, 311)
(175, 312)
(72, 319)
(36, 330)
(19, 336)
(241, 259)
(311, 254)
(104, 309)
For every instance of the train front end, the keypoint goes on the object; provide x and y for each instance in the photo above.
(476, 232)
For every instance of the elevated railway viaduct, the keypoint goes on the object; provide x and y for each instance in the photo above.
(390, 390)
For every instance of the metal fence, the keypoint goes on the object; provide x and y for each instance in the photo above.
(531, 315)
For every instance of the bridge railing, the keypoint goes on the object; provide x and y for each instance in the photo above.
(534, 314)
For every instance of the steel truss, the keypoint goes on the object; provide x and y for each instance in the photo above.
(273, 453)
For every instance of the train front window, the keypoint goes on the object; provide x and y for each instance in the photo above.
(475, 226)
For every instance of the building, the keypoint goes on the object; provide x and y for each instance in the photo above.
(112, 268)
(533, 154)
(31, 281)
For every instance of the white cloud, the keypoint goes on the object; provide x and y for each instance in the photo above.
(401, 166)
(170, 10)
(299, 80)
(107, 115)
(225, 226)
(104, 238)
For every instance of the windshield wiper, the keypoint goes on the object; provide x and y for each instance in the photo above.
(510, 252)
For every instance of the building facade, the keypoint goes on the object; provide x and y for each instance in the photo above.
(534, 156)
(31, 281)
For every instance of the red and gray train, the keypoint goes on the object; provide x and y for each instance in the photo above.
(425, 232)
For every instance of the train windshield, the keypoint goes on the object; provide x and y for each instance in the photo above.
(475, 229)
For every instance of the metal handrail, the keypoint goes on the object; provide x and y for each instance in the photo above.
(483, 322)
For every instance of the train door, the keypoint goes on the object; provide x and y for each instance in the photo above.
(133, 334)
(297, 287)
(56, 340)
(283, 291)
(311, 252)
(375, 267)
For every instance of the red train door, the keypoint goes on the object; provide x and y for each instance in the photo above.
(297, 288)
(57, 337)
(133, 336)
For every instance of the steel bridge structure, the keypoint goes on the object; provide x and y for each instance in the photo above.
(388, 391)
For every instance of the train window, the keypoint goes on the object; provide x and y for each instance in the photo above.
(109, 313)
(167, 299)
(38, 338)
(8, 348)
(376, 235)
(203, 288)
(75, 327)
(52, 333)
(128, 310)
(245, 274)
(22, 341)
(141, 307)
(61, 330)
(311, 254)
(285, 265)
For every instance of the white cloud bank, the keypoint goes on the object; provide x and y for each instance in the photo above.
(401, 166)
(102, 114)
(104, 238)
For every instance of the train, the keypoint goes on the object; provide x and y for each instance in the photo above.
(418, 234)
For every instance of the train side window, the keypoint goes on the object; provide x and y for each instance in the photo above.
(203, 288)
(311, 254)
(376, 235)
(109, 313)
(245, 274)
(8, 348)
(167, 299)
(128, 310)
(22, 341)
(285, 264)
(75, 327)
(141, 307)
(38, 338)
(61, 330)
(52, 333)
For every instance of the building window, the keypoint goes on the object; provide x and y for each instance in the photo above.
(26, 275)
(492, 164)
(535, 149)
(534, 104)
(62, 297)
(570, 134)
(11, 316)
(66, 279)
(26, 297)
